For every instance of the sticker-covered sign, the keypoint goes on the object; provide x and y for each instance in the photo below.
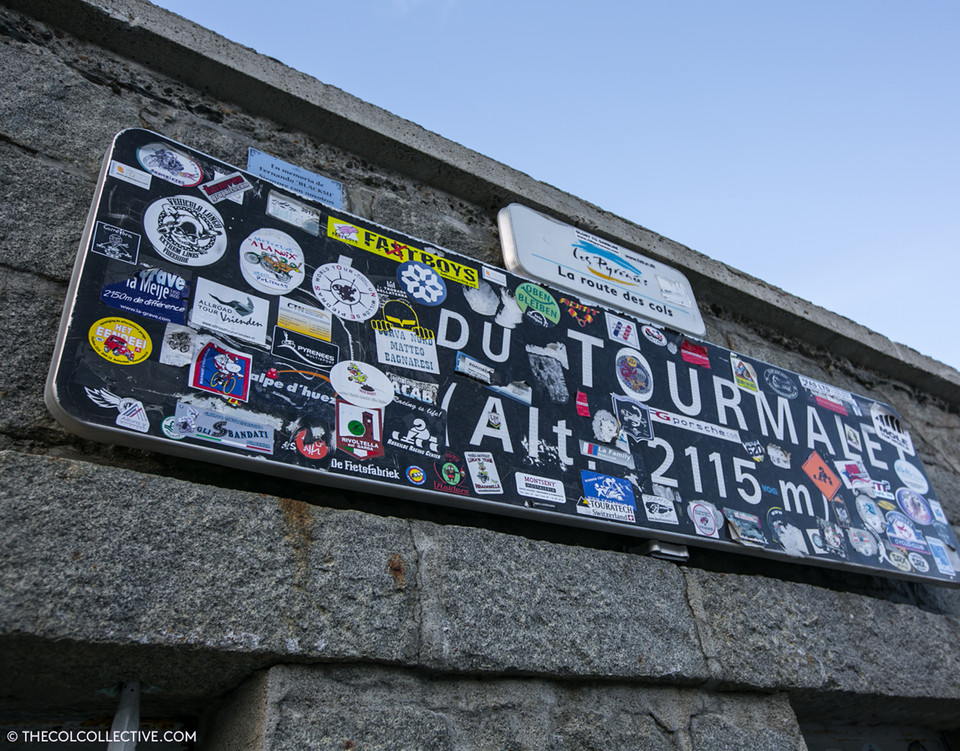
(275, 334)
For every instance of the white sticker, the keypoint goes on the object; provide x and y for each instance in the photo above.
(304, 319)
(230, 311)
(361, 383)
(271, 261)
(541, 488)
(888, 427)
(634, 374)
(185, 230)
(622, 330)
(911, 476)
(705, 517)
(404, 349)
(483, 472)
(346, 293)
(130, 174)
(659, 510)
(170, 165)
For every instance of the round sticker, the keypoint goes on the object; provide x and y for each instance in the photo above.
(704, 518)
(898, 559)
(346, 293)
(634, 375)
(271, 261)
(654, 335)
(168, 426)
(361, 384)
(918, 561)
(911, 476)
(416, 475)
(871, 515)
(422, 283)
(160, 160)
(450, 473)
(185, 230)
(863, 542)
(537, 304)
(915, 506)
(120, 341)
(781, 383)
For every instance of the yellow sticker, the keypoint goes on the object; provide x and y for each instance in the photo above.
(387, 247)
(120, 341)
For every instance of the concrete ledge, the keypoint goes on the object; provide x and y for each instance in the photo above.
(231, 72)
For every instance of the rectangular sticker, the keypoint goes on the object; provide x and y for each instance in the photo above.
(230, 311)
(541, 488)
(193, 422)
(295, 178)
(483, 472)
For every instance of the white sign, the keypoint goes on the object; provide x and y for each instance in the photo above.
(591, 267)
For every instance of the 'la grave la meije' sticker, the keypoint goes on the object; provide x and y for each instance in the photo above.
(222, 318)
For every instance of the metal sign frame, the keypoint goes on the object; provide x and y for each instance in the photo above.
(214, 316)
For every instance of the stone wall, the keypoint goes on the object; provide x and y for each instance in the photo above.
(274, 614)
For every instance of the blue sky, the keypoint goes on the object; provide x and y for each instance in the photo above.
(813, 145)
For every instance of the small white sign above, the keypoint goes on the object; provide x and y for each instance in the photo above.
(589, 266)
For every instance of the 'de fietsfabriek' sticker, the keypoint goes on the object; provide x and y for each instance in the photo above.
(170, 165)
(361, 383)
(345, 292)
(271, 261)
(185, 230)
(120, 341)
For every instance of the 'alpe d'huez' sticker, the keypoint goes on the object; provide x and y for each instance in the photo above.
(606, 497)
(185, 230)
(271, 261)
(230, 311)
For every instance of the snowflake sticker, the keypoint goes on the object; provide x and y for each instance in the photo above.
(422, 283)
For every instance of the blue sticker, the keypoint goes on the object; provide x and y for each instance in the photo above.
(606, 497)
(422, 283)
(151, 293)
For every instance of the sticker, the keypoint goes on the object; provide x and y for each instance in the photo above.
(911, 476)
(346, 293)
(303, 350)
(822, 476)
(271, 261)
(816, 541)
(304, 319)
(291, 211)
(582, 314)
(483, 472)
(899, 559)
(902, 533)
(659, 510)
(705, 517)
(863, 542)
(402, 342)
(368, 470)
(605, 426)
(168, 164)
(654, 335)
(177, 345)
(230, 311)
(915, 506)
(695, 354)
(495, 275)
(673, 291)
(781, 383)
(422, 283)
(540, 488)
(225, 186)
(754, 449)
(473, 368)
(889, 429)
(785, 534)
(852, 436)
(216, 427)
(745, 528)
(607, 454)
(361, 383)
(634, 374)
(116, 243)
(744, 374)
(537, 304)
(294, 178)
(778, 457)
(918, 562)
(420, 391)
(519, 391)
(606, 497)
(418, 429)
(941, 556)
(634, 418)
(416, 475)
(130, 174)
(830, 397)
(583, 406)
(220, 370)
(621, 330)
(131, 415)
(937, 510)
(185, 230)
(696, 426)
(855, 477)
(451, 475)
(832, 538)
(120, 341)
(315, 450)
(359, 430)
(394, 250)
(168, 427)
(152, 293)
(840, 511)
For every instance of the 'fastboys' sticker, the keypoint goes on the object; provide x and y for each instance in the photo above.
(271, 261)
(186, 230)
(120, 341)
(394, 250)
(170, 165)
(346, 293)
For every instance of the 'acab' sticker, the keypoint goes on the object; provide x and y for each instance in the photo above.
(185, 230)
(120, 341)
